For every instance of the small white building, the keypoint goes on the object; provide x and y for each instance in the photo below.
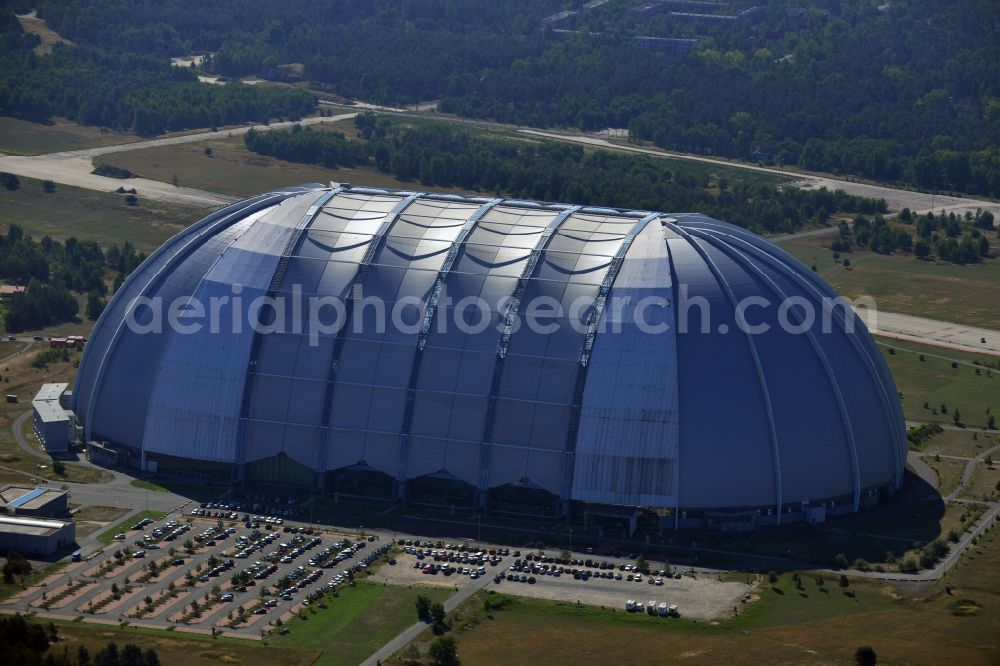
(55, 426)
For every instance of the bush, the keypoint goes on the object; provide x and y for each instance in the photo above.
(111, 171)
(865, 656)
(423, 605)
(444, 652)
(10, 181)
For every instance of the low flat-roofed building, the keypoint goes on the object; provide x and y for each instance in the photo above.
(54, 424)
(34, 501)
(10, 291)
(35, 536)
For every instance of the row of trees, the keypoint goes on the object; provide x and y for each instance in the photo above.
(439, 154)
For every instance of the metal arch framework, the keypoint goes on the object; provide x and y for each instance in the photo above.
(587, 349)
(357, 284)
(756, 362)
(425, 329)
(869, 364)
(279, 272)
(486, 447)
(673, 295)
(217, 220)
(817, 349)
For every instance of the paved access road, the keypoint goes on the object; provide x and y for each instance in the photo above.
(932, 332)
(895, 198)
(74, 167)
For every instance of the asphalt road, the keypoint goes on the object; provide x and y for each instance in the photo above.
(74, 167)
(932, 332)
(895, 198)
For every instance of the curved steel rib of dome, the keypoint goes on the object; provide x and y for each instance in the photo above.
(696, 425)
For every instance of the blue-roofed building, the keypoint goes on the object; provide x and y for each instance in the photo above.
(34, 501)
(622, 403)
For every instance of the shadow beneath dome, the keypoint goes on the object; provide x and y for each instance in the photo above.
(905, 532)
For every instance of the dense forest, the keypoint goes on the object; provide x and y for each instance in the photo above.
(908, 91)
(126, 90)
(443, 155)
(52, 271)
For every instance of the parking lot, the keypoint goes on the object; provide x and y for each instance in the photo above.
(208, 569)
(594, 581)
(442, 564)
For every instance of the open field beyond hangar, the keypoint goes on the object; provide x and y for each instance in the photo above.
(103, 217)
(21, 137)
(958, 380)
(901, 283)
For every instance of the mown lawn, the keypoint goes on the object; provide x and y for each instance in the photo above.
(178, 648)
(949, 472)
(901, 283)
(358, 622)
(964, 443)
(985, 481)
(935, 382)
(103, 217)
(21, 137)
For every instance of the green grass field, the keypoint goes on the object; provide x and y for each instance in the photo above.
(89, 519)
(949, 472)
(985, 484)
(959, 443)
(108, 535)
(901, 283)
(88, 215)
(148, 485)
(784, 626)
(232, 169)
(20, 137)
(935, 382)
(356, 623)
(177, 648)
